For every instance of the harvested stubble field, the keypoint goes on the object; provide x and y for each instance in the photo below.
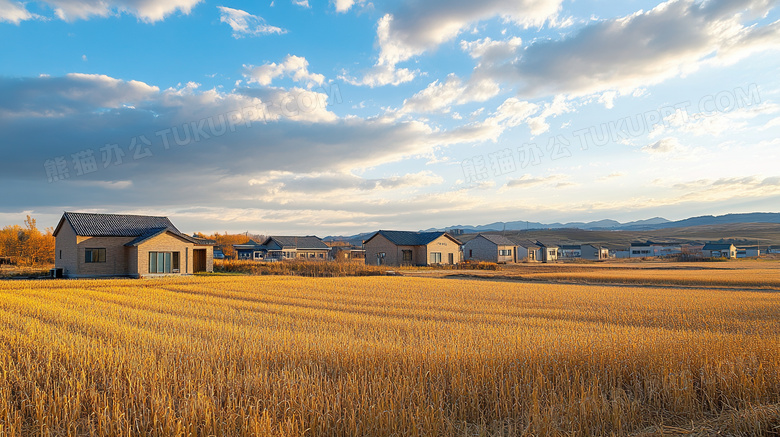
(384, 356)
(744, 274)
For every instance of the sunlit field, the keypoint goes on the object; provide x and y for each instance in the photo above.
(382, 356)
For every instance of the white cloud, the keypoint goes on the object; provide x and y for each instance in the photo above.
(559, 106)
(488, 50)
(418, 27)
(346, 5)
(663, 146)
(14, 12)
(296, 67)
(439, 96)
(302, 3)
(246, 24)
(381, 75)
(673, 39)
(528, 181)
(146, 10)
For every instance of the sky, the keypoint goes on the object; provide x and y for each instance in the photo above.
(346, 116)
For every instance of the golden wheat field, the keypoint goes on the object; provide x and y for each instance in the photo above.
(384, 356)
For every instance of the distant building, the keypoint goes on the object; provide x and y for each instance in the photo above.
(748, 252)
(527, 251)
(592, 252)
(490, 248)
(570, 251)
(396, 248)
(345, 251)
(278, 248)
(97, 245)
(719, 250)
(651, 249)
(548, 252)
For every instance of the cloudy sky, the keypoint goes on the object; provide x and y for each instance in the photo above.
(339, 117)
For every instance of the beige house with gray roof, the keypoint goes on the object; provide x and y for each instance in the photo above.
(490, 248)
(105, 245)
(401, 248)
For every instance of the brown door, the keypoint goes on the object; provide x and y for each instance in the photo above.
(199, 260)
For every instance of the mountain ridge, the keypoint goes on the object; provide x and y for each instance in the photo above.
(651, 224)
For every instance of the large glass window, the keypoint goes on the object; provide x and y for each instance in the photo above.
(95, 256)
(163, 262)
(406, 255)
(435, 257)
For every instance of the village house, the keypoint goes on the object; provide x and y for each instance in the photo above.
(345, 251)
(490, 248)
(101, 245)
(396, 248)
(593, 252)
(719, 250)
(748, 251)
(527, 251)
(570, 251)
(651, 249)
(278, 248)
(548, 252)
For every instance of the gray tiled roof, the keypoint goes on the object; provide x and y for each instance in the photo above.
(116, 225)
(306, 242)
(525, 243)
(123, 225)
(406, 238)
(716, 246)
(499, 240)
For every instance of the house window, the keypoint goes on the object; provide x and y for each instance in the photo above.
(505, 252)
(435, 257)
(95, 256)
(163, 262)
(60, 254)
(471, 253)
(320, 255)
(406, 255)
(257, 255)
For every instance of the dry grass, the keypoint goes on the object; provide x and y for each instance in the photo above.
(11, 271)
(384, 356)
(315, 269)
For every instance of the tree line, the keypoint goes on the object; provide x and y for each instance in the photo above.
(26, 245)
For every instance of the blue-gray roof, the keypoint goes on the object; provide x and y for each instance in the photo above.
(717, 246)
(407, 238)
(301, 243)
(498, 240)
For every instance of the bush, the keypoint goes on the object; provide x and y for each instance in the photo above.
(319, 269)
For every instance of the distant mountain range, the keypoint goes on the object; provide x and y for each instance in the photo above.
(603, 225)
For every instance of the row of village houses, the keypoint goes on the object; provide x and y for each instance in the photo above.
(94, 245)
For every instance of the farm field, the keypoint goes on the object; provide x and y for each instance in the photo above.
(739, 273)
(382, 356)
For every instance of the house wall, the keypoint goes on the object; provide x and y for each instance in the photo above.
(116, 256)
(593, 252)
(724, 253)
(524, 254)
(548, 254)
(314, 254)
(480, 249)
(66, 250)
(445, 246)
(380, 244)
(168, 243)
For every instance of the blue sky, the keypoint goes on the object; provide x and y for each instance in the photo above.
(347, 116)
